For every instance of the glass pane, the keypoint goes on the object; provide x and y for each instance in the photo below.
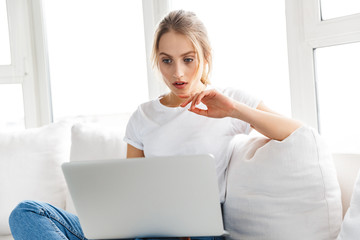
(249, 52)
(11, 107)
(339, 8)
(338, 84)
(5, 57)
(97, 57)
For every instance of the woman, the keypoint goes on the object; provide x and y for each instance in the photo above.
(193, 118)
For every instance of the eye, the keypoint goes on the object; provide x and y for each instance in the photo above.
(166, 60)
(188, 60)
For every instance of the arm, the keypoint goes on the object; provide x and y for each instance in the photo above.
(261, 119)
(133, 152)
(265, 121)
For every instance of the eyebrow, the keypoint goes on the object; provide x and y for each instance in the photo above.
(184, 54)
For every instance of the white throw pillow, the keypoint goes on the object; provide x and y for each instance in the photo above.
(30, 169)
(350, 229)
(283, 189)
(91, 141)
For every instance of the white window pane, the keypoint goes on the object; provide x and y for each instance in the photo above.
(339, 8)
(338, 85)
(97, 57)
(249, 46)
(11, 107)
(5, 57)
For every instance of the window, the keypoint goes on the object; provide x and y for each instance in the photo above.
(324, 75)
(5, 57)
(333, 9)
(249, 47)
(97, 57)
(11, 92)
(338, 84)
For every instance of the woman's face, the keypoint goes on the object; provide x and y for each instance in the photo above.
(178, 64)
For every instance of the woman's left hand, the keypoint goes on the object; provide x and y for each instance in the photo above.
(218, 105)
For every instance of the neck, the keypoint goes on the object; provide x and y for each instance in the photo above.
(172, 100)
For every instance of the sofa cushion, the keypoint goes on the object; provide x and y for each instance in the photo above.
(351, 225)
(92, 141)
(30, 163)
(283, 189)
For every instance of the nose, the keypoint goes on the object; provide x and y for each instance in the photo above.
(178, 71)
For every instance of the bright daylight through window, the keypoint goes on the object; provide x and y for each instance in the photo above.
(96, 56)
(12, 106)
(338, 74)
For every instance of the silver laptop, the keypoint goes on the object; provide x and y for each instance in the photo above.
(146, 197)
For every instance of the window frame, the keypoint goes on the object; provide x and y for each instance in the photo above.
(307, 31)
(153, 11)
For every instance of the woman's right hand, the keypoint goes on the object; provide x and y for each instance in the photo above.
(218, 105)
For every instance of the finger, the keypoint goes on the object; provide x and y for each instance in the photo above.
(199, 111)
(194, 100)
(190, 98)
(197, 99)
(201, 96)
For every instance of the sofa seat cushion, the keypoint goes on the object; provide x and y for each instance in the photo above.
(30, 167)
(283, 189)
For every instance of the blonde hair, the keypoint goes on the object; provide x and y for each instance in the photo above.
(186, 23)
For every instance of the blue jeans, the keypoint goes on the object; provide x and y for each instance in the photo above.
(38, 220)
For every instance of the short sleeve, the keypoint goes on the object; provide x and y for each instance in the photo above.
(132, 134)
(240, 126)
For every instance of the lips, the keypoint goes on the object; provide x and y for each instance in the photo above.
(180, 84)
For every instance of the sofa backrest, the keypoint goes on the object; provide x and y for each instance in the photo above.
(347, 166)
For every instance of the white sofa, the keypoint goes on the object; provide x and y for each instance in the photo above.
(276, 190)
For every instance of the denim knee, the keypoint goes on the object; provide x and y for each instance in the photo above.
(20, 212)
(39, 220)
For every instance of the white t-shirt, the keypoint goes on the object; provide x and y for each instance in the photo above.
(159, 130)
